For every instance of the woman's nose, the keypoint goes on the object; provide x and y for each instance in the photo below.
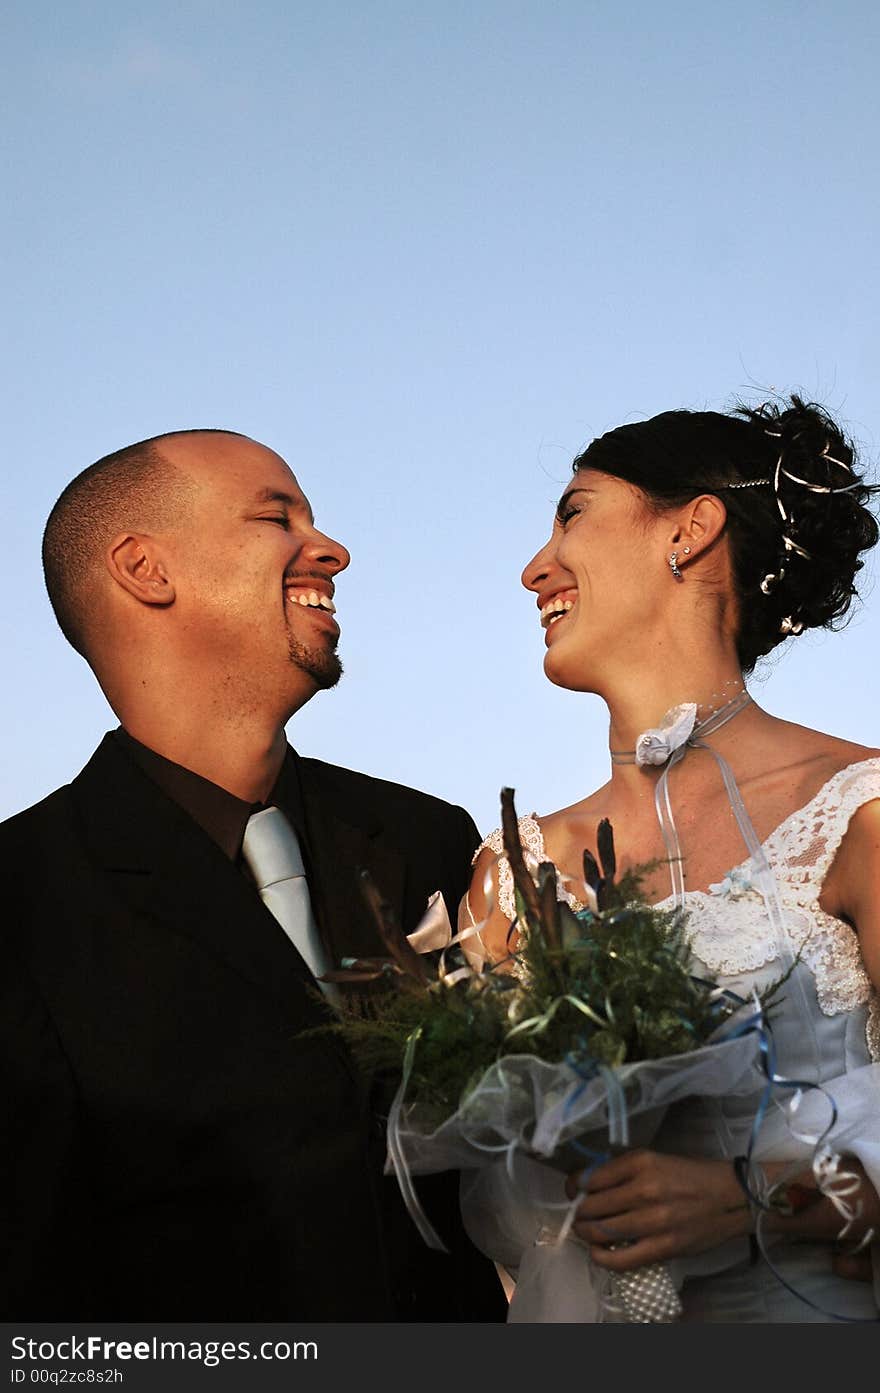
(535, 573)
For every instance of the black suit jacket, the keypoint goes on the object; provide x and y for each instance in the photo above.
(175, 1148)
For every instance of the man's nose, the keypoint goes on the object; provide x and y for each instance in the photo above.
(331, 555)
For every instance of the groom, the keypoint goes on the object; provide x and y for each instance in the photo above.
(181, 1143)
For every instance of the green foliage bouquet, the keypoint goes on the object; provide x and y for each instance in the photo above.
(572, 1047)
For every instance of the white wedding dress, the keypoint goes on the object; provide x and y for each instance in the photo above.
(826, 1029)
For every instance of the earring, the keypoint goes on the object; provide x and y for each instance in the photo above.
(673, 566)
(687, 551)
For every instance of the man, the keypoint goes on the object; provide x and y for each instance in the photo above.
(178, 1148)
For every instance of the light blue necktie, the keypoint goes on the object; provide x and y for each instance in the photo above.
(272, 852)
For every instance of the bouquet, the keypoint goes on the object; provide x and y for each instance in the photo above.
(548, 1062)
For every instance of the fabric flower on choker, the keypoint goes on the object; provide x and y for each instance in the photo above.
(654, 746)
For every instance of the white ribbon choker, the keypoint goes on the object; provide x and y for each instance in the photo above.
(667, 744)
(677, 728)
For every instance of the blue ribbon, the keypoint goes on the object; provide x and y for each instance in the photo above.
(589, 1069)
(742, 1164)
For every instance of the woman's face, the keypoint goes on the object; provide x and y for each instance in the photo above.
(601, 580)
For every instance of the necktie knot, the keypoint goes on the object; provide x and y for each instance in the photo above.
(271, 848)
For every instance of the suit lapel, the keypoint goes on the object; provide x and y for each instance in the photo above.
(167, 869)
(342, 842)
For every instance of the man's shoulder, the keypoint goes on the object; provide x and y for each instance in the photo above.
(33, 823)
(353, 788)
(59, 803)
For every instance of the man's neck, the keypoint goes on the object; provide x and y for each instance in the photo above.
(246, 762)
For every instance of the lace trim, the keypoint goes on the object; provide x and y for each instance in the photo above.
(803, 847)
(872, 1029)
(800, 852)
(534, 853)
(728, 927)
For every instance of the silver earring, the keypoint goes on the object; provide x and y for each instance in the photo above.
(687, 551)
(673, 566)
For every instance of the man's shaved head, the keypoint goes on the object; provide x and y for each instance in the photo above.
(137, 489)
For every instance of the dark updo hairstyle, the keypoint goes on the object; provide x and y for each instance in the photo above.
(796, 514)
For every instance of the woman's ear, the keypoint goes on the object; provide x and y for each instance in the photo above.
(135, 562)
(699, 525)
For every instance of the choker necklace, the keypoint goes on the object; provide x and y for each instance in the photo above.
(667, 744)
(679, 727)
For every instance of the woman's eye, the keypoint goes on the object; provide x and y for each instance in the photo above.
(566, 514)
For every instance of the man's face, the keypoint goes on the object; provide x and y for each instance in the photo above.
(255, 578)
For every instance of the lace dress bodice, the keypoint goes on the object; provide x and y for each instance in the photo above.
(728, 927)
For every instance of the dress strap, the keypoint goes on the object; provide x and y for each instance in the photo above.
(805, 845)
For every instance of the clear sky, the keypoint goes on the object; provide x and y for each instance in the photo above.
(426, 251)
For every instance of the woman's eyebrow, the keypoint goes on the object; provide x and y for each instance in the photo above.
(569, 493)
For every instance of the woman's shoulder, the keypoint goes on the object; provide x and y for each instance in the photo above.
(542, 833)
(834, 751)
(796, 763)
(804, 801)
(566, 832)
(529, 829)
(828, 759)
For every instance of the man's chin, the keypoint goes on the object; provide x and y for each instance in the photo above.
(322, 665)
(327, 675)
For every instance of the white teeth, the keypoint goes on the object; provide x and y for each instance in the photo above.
(555, 609)
(311, 599)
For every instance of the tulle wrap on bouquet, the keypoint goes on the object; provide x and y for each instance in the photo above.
(526, 1124)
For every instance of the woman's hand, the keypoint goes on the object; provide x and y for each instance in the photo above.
(814, 1215)
(658, 1206)
(661, 1207)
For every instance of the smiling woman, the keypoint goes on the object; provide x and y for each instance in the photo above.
(686, 547)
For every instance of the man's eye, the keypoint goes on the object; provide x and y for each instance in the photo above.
(280, 518)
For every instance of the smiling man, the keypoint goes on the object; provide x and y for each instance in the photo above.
(181, 1143)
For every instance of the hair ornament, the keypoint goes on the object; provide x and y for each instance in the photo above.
(790, 626)
(823, 488)
(771, 580)
(791, 546)
(781, 470)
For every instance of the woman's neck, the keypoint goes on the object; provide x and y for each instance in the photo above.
(643, 705)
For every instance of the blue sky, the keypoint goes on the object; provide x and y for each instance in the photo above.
(426, 252)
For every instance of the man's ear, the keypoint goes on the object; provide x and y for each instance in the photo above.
(134, 561)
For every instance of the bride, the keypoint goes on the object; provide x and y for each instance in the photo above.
(683, 549)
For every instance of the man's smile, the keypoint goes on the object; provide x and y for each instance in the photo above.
(314, 595)
(309, 599)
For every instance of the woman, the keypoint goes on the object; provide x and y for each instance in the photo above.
(685, 548)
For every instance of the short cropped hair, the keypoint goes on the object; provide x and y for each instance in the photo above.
(137, 488)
